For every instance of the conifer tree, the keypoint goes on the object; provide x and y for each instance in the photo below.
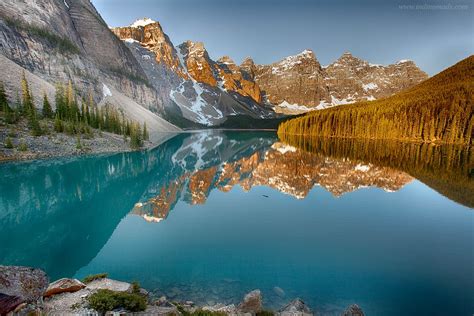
(27, 100)
(4, 106)
(47, 110)
(146, 136)
(58, 125)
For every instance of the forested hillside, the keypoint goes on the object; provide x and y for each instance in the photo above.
(439, 109)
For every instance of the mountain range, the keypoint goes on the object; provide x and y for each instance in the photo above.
(139, 70)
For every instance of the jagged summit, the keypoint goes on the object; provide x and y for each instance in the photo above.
(226, 60)
(142, 22)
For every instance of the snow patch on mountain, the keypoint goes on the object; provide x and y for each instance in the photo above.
(106, 91)
(142, 22)
(370, 86)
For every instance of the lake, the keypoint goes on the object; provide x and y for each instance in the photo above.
(209, 216)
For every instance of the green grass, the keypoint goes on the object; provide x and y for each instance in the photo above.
(198, 312)
(93, 277)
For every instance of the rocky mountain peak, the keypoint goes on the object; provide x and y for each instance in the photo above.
(305, 57)
(142, 22)
(226, 60)
(149, 34)
(348, 59)
(200, 67)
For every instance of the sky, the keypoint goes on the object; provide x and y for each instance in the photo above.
(435, 34)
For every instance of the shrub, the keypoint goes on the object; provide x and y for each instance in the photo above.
(265, 313)
(8, 143)
(22, 146)
(93, 277)
(78, 143)
(107, 300)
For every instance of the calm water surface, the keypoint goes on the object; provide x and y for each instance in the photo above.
(209, 216)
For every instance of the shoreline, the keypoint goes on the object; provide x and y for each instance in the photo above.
(26, 291)
(60, 145)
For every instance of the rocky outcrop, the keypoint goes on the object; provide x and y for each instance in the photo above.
(353, 310)
(252, 303)
(295, 308)
(63, 286)
(27, 284)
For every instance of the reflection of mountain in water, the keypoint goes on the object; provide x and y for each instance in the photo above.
(279, 166)
(448, 169)
(58, 214)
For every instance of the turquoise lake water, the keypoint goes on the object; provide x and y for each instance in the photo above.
(209, 216)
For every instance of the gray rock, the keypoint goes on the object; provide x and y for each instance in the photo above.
(353, 310)
(252, 302)
(109, 284)
(295, 308)
(26, 283)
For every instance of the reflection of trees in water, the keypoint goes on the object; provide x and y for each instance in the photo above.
(448, 169)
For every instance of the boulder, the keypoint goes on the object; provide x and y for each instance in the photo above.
(252, 302)
(28, 284)
(109, 284)
(295, 308)
(9, 303)
(353, 310)
(64, 285)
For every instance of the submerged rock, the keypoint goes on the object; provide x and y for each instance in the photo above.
(252, 302)
(278, 290)
(28, 284)
(353, 310)
(64, 285)
(295, 308)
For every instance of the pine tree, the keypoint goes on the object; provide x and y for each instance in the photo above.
(47, 110)
(4, 106)
(146, 136)
(33, 122)
(27, 100)
(58, 125)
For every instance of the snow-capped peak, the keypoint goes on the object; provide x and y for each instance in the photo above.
(142, 22)
(403, 61)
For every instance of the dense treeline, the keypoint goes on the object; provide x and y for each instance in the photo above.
(437, 110)
(71, 116)
(449, 169)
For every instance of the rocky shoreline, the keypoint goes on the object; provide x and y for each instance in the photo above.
(27, 291)
(55, 145)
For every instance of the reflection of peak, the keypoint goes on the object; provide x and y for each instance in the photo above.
(210, 161)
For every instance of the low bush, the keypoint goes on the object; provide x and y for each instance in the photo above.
(107, 300)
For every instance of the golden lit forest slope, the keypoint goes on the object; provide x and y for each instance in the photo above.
(439, 109)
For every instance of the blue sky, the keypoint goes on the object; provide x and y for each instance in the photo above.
(434, 36)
